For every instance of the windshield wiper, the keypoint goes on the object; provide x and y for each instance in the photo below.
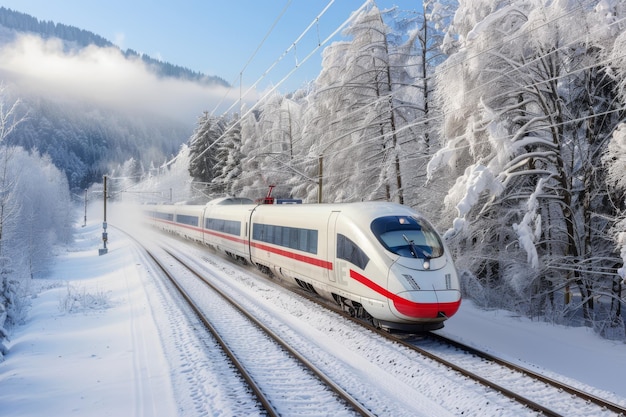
(411, 244)
(414, 249)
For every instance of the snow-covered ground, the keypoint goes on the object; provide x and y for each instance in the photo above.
(91, 345)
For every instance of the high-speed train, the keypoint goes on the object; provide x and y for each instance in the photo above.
(380, 261)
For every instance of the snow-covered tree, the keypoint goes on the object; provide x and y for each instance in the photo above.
(271, 148)
(371, 109)
(9, 289)
(171, 182)
(202, 149)
(277, 132)
(528, 108)
(419, 37)
(45, 215)
(228, 155)
(35, 214)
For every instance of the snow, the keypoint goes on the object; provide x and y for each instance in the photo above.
(527, 234)
(91, 345)
(467, 190)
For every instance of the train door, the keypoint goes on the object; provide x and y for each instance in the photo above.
(331, 244)
(203, 224)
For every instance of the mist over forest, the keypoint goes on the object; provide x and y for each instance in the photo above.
(89, 105)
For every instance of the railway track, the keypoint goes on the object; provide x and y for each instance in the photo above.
(560, 386)
(581, 401)
(535, 392)
(544, 397)
(274, 366)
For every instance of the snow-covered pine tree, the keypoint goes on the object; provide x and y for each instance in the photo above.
(203, 149)
(228, 159)
(367, 106)
(528, 108)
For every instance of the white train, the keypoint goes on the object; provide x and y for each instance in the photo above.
(378, 260)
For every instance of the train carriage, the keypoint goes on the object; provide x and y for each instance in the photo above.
(188, 221)
(377, 260)
(225, 226)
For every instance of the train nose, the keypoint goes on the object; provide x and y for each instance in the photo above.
(427, 304)
(425, 294)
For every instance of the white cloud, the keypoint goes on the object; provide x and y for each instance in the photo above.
(104, 76)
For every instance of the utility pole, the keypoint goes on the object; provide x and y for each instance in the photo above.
(320, 172)
(85, 222)
(104, 250)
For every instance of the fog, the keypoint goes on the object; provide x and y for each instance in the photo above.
(104, 76)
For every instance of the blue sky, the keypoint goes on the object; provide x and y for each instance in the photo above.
(212, 37)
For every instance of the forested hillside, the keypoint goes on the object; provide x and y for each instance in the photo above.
(86, 141)
(83, 137)
(78, 38)
(73, 107)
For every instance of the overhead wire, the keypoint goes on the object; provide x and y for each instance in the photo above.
(253, 55)
(275, 87)
(503, 94)
(466, 59)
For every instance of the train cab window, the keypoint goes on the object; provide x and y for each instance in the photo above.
(348, 250)
(408, 236)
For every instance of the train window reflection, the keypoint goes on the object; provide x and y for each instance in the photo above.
(348, 250)
(231, 227)
(408, 236)
(290, 237)
(186, 219)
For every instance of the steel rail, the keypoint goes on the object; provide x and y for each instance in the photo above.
(341, 393)
(550, 381)
(260, 395)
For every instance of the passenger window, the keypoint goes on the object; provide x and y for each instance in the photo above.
(348, 250)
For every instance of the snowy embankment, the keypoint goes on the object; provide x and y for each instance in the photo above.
(91, 344)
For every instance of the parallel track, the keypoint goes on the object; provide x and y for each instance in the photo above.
(411, 341)
(585, 397)
(600, 402)
(344, 399)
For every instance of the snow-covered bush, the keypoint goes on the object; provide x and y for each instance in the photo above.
(35, 214)
(80, 299)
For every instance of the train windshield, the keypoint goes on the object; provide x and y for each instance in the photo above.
(408, 236)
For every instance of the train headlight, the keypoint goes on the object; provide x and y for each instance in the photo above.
(426, 264)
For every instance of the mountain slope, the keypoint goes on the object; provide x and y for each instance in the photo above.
(74, 37)
(91, 106)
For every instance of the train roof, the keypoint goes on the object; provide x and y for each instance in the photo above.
(358, 210)
(225, 201)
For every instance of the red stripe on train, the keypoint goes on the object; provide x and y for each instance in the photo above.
(407, 307)
(296, 256)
